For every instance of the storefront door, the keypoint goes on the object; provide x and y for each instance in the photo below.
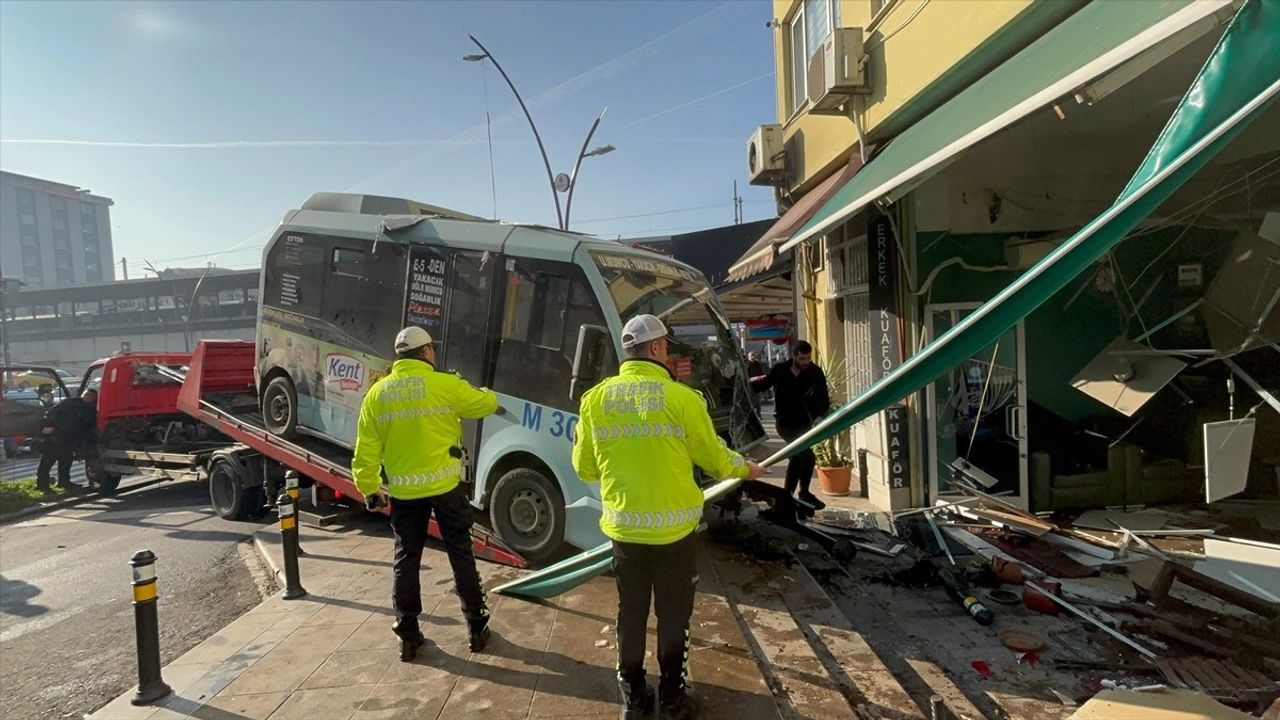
(977, 414)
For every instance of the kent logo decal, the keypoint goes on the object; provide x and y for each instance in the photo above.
(344, 372)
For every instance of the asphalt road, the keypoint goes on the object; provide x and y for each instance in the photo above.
(66, 619)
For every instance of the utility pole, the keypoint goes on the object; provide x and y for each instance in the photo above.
(124, 267)
(737, 205)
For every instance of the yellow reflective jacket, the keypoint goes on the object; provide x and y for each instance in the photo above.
(639, 435)
(409, 421)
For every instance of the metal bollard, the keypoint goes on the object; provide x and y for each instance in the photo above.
(295, 494)
(289, 536)
(151, 686)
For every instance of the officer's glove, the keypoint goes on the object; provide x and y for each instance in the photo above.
(500, 411)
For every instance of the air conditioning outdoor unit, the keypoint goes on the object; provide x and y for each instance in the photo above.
(836, 72)
(766, 158)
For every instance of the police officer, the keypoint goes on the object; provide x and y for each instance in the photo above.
(410, 426)
(639, 436)
(68, 426)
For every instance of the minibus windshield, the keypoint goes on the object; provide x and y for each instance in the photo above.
(703, 354)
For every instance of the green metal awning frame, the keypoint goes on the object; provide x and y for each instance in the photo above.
(1238, 83)
(1090, 43)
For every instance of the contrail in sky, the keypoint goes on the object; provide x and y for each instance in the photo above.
(695, 101)
(232, 144)
(573, 85)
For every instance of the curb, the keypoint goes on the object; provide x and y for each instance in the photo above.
(42, 508)
(264, 554)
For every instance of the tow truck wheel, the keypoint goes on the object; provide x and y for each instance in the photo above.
(230, 499)
(527, 511)
(280, 407)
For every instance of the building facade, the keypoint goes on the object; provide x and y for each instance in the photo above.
(53, 234)
(72, 327)
(926, 154)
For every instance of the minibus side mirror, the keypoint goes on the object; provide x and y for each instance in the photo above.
(589, 359)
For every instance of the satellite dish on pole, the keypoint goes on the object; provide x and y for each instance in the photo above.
(562, 182)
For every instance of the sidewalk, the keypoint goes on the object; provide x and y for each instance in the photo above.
(332, 654)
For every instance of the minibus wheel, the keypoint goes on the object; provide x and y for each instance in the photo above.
(527, 510)
(280, 407)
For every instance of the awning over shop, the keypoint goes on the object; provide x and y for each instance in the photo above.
(1090, 43)
(1237, 84)
(760, 256)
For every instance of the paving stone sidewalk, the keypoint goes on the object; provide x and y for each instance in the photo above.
(332, 655)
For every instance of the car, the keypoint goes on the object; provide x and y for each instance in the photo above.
(22, 407)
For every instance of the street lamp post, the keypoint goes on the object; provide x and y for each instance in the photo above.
(573, 177)
(561, 216)
(486, 55)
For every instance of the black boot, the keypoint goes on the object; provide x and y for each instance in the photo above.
(479, 636)
(810, 499)
(409, 647)
(637, 699)
(679, 705)
(410, 642)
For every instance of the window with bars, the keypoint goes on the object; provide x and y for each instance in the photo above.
(857, 338)
(846, 263)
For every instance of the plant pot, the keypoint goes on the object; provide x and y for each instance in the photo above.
(835, 480)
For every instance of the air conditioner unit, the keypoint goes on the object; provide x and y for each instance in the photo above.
(836, 72)
(766, 158)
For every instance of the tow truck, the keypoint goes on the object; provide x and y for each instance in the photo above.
(188, 416)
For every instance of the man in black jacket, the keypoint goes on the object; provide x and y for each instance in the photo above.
(802, 400)
(67, 427)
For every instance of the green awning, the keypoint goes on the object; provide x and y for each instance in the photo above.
(1237, 84)
(1090, 43)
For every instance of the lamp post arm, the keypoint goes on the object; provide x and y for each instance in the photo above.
(573, 178)
(542, 149)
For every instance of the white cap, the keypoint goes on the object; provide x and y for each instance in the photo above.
(642, 329)
(412, 338)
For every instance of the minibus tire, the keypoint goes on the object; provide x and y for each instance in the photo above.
(281, 389)
(529, 491)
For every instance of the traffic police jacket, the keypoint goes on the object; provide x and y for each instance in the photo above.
(410, 425)
(639, 435)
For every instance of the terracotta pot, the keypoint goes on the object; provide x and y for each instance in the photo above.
(835, 480)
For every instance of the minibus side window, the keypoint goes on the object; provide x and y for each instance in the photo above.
(468, 316)
(357, 289)
(295, 271)
(545, 304)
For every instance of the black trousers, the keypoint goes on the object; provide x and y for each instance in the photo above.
(409, 520)
(668, 575)
(799, 466)
(56, 451)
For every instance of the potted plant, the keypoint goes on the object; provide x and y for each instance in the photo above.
(835, 469)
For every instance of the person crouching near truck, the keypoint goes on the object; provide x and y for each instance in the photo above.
(410, 425)
(639, 435)
(68, 427)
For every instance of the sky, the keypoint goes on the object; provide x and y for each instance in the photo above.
(207, 122)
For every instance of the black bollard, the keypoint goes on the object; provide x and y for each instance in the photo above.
(295, 494)
(151, 687)
(289, 537)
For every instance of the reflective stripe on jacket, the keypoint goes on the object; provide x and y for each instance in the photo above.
(639, 435)
(409, 421)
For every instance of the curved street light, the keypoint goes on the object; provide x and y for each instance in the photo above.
(486, 55)
(573, 177)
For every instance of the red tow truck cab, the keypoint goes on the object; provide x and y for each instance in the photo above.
(132, 390)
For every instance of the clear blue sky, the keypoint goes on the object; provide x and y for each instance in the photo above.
(205, 122)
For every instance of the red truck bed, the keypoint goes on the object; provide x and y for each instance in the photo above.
(219, 391)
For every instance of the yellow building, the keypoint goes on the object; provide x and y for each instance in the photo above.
(924, 153)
